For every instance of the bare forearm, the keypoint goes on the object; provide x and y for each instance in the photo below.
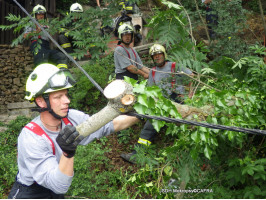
(146, 70)
(124, 121)
(66, 165)
(133, 69)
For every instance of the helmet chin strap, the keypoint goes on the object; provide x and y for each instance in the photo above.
(39, 109)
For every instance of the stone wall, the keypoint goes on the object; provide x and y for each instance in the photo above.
(16, 63)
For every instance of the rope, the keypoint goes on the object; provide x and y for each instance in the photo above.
(59, 47)
(176, 73)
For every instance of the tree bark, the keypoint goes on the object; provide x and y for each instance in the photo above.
(187, 112)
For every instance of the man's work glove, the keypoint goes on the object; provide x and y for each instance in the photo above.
(68, 140)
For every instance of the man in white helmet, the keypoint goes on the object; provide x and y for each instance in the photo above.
(47, 145)
(64, 40)
(45, 54)
(172, 86)
(127, 60)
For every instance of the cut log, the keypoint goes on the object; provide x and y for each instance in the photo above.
(121, 100)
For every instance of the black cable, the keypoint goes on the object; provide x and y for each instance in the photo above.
(214, 126)
(166, 119)
(58, 46)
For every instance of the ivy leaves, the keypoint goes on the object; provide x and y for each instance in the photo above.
(150, 101)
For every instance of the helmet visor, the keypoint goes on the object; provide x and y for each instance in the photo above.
(61, 79)
(58, 81)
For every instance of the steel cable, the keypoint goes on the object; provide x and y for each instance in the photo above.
(214, 126)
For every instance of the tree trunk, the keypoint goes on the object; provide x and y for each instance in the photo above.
(187, 112)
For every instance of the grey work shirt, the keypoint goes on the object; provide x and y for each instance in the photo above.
(122, 62)
(36, 162)
(163, 80)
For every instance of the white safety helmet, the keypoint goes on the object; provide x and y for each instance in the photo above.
(156, 49)
(47, 78)
(39, 9)
(123, 29)
(76, 7)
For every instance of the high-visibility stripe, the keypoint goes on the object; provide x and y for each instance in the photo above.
(66, 45)
(129, 8)
(145, 142)
(61, 66)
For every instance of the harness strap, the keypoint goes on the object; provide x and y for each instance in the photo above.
(128, 52)
(172, 70)
(173, 76)
(35, 128)
(66, 121)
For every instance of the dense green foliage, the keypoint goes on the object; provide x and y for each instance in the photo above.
(85, 95)
(8, 151)
(204, 163)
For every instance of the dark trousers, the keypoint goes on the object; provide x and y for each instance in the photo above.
(35, 191)
(148, 133)
(212, 21)
(47, 55)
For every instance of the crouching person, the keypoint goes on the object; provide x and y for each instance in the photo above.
(47, 145)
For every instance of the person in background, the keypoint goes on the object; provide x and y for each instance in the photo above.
(42, 54)
(47, 145)
(211, 18)
(64, 40)
(124, 56)
(172, 86)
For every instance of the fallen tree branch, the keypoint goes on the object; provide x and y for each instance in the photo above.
(121, 99)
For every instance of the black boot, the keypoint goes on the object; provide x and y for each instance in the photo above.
(129, 157)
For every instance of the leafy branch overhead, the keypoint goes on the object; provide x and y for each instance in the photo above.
(85, 31)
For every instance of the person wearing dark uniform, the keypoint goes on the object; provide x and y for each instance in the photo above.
(44, 54)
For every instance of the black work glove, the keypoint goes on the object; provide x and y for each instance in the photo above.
(68, 140)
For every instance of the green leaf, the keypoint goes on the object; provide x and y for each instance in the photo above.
(168, 170)
(142, 99)
(140, 108)
(203, 137)
(195, 136)
(150, 184)
(158, 124)
(250, 171)
(207, 152)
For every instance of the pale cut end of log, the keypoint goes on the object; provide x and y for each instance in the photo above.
(128, 99)
(114, 89)
(121, 100)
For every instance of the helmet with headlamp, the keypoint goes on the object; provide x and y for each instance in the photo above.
(47, 78)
